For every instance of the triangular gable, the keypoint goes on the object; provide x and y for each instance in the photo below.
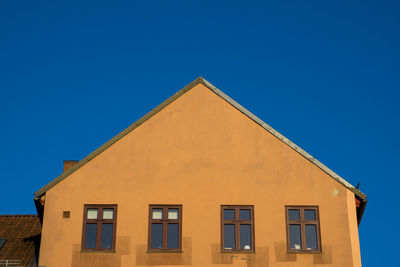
(201, 80)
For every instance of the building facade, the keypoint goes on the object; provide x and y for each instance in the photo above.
(199, 181)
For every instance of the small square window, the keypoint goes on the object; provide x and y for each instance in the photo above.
(66, 214)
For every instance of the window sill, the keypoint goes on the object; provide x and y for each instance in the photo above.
(237, 252)
(97, 250)
(305, 252)
(164, 251)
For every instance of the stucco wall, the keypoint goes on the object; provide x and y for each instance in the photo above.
(202, 153)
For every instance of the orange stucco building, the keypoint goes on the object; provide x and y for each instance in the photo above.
(199, 181)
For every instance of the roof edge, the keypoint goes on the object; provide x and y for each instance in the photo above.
(203, 81)
(19, 215)
(286, 141)
(118, 136)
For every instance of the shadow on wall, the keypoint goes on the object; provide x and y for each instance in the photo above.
(260, 258)
(93, 259)
(150, 259)
(281, 254)
(325, 257)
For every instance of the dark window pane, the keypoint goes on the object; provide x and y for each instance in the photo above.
(229, 236)
(309, 215)
(245, 236)
(229, 214)
(294, 215)
(2, 242)
(311, 237)
(295, 236)
(156, 235)
(106, 235)
(91, 234)
(245, 214)
(173, 235)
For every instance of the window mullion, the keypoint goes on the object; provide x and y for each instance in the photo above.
(237, 235)
(302, 230)
(99, 228)
(237, 228)
(98, 235)
(303, 236)
(165, 224)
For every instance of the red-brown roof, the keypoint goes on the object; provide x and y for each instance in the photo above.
(23, 237)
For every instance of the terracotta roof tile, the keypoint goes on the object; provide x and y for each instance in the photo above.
(23, 237)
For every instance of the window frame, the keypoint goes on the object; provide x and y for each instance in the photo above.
(99, 223)
(303, 223)
(237, 222)
(164, 221)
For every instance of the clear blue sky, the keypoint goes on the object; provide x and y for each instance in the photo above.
(323, 73)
